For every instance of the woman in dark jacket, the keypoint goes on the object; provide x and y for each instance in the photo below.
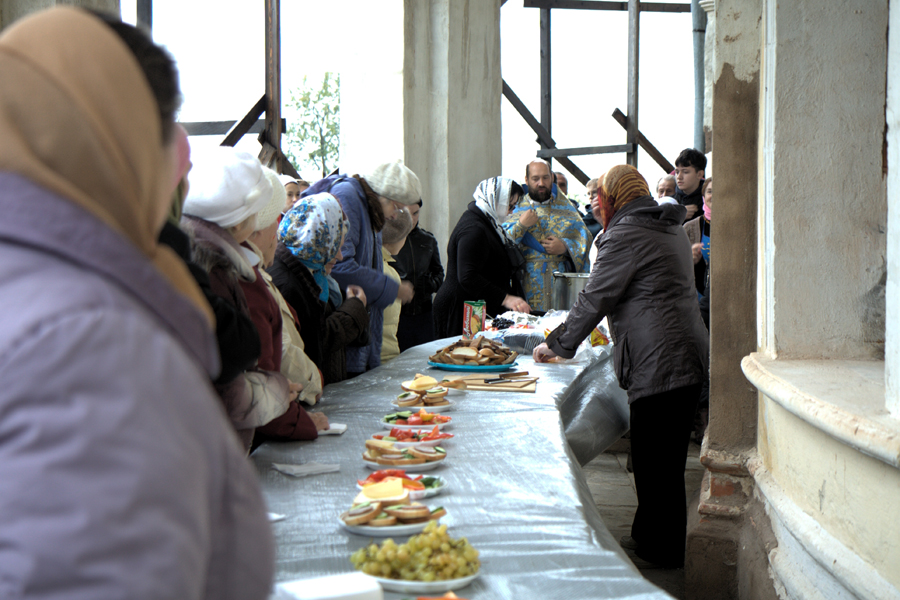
(478, 259)
(419, 262)
(643, 279)
(310, 237)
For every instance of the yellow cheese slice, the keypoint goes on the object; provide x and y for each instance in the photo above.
(389, 489)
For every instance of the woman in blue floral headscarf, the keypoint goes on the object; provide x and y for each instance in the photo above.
(310, 237)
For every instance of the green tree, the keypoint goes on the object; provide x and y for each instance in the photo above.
(313, 136)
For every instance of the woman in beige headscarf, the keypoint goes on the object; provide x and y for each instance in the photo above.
(111, 433)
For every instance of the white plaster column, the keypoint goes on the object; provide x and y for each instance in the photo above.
(451, 104)
(824, 191)
(892, 292)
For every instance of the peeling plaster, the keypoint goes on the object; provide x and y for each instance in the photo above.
(738, 38)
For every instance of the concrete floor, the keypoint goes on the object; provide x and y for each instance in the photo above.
(612, 487)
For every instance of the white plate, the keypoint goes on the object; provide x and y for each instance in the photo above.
(427, 493)
(440, 426)
(423, 587)
(419, 468)
(431, 409)
(432, 443)
(389, 531)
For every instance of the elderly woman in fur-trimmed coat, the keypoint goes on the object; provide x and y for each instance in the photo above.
(227, 189)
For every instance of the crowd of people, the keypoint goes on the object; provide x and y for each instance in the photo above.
(174, 310)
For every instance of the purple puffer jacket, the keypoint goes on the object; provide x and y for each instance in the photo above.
(120, 476)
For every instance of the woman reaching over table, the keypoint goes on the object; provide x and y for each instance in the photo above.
(643, 279)
(481, 259)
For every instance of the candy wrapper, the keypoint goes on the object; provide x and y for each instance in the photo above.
(598, 338)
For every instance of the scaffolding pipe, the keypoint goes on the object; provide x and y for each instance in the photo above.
(698, 18)
(546, 81)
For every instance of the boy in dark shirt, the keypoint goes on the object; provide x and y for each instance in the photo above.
(689, 175)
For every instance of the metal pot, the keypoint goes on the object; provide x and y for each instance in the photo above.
(565, 289)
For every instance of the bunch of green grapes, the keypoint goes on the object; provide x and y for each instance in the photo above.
(430, 556)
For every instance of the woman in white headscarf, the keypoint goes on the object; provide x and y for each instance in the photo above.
(481, 259)
(227, 188)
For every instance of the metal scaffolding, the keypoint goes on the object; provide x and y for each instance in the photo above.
(272, 126)
(633, 136)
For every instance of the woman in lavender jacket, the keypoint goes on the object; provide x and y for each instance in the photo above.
(120, 475)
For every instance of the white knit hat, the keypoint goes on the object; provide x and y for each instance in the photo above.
(395, 181)
(286, 179)
(226, 186)
(268, 214)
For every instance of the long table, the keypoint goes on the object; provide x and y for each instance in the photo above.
(516, 490)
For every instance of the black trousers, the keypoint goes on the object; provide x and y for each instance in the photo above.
(660, 433)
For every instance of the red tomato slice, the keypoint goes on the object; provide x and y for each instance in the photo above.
(400, 422)
(414, 420)
(393, 473)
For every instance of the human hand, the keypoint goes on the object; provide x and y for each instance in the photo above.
(553, 245)
(294, 390)
(543, 354)
(697, 252)
(354, 291)
(320, 420)
(405, 292)
(517, 304)
(691, 211)
(528, 218)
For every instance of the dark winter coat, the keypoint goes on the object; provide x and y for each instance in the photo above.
(695, 198)
(419, 262)
(326, 332)
(643, 280)
(478, 268)
(237, 338)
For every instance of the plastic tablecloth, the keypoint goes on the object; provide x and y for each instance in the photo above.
(516, 490)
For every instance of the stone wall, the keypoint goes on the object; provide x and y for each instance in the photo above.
(800, 497)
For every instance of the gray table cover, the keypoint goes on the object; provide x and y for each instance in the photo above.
(516, 490)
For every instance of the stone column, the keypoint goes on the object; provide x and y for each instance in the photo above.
(892, 293)
(711, 569)
(10, 10)
(451, 104)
